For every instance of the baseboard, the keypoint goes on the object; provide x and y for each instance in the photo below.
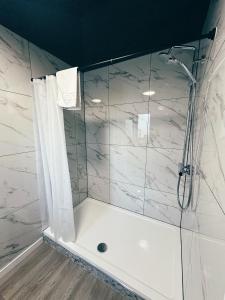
(12, 264)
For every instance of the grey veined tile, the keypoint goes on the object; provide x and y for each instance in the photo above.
(16, 233)
(127, 196)
(70, 127)
(15, 65)
(98, 160)
(169, 81)
(127, 164)
(16, 126)
(82, 160)
(72, 160)
(162, 169)
(96, 87)
(80, 125)
(128, 80)
(42, 62)
(98, 188)
(167, 123)
(162, 206)
(97, 125)
(18, 182)
(129, 124)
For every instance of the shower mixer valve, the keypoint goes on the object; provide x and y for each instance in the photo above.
(184, 169)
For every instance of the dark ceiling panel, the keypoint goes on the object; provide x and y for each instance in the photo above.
(86, 31)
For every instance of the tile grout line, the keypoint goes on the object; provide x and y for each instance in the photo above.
(31, 72)
(76, 149)
(109, 192)
(12, 92)
(135, 146)
(19, 209)
(83, 95)
(18, 153)
(138, 102)
(146, 148)
(85, 134)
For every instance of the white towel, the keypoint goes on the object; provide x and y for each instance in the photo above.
(69, 96)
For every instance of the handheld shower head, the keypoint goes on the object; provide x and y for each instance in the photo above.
(170, 59)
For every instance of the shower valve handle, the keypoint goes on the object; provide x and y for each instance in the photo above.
(184, 169)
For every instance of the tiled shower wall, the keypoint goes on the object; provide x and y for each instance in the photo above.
(204, 242)
(20, 223)
(134, 141)
(76, 153)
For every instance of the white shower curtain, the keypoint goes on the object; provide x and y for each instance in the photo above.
(52, 165)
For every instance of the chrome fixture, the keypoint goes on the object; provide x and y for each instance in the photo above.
(185, 168)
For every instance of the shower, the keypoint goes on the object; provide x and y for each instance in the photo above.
(186, 166)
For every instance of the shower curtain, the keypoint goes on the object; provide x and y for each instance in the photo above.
(52, 165)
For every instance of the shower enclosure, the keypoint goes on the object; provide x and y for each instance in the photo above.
(128, 150)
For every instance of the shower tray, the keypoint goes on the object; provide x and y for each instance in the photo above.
(141, 253)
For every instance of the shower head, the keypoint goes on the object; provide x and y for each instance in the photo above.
(170, 59)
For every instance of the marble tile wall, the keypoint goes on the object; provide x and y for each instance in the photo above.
(20, 223)
(135, 141)
(76, 153)
(204, 244)
(206, 215)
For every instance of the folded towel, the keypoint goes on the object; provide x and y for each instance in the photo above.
(69, 96)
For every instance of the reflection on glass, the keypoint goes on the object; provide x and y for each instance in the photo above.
(148, 93)
(143, 125)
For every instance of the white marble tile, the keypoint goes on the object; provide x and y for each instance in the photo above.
(203, 267)
(97, 125)
(15, 236)
(98, 160)
(205, 216)
(212, 254)
(75, 191)
(127, 164)
(191, 261)
(127, 196)
(80, 126)
(44, 63)
(28, 215)
(18, 183)
(70, 127)
(167, 123)
(128, 80)
(212, 165)
(162, 206)
(169, 81)
(96, 86)
(16, 127)
(83, 188)
(168, 199)
(219, 22)
(129, 124)
(162, 169)
(15, 65)
(97, 75)
(98, 188)
(72, 160)
(81, 160)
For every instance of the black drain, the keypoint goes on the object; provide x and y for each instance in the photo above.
(102, 247)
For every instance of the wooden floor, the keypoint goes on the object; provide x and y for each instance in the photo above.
(46, 274)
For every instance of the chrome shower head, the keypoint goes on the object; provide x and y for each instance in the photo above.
(170, 59)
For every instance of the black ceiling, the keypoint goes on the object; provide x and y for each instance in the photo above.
(87, 31)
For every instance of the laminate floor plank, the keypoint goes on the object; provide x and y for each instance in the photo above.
(48, 275)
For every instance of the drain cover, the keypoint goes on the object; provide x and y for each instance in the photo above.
(102, 247)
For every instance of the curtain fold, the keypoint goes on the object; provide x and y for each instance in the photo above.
(52, 165)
